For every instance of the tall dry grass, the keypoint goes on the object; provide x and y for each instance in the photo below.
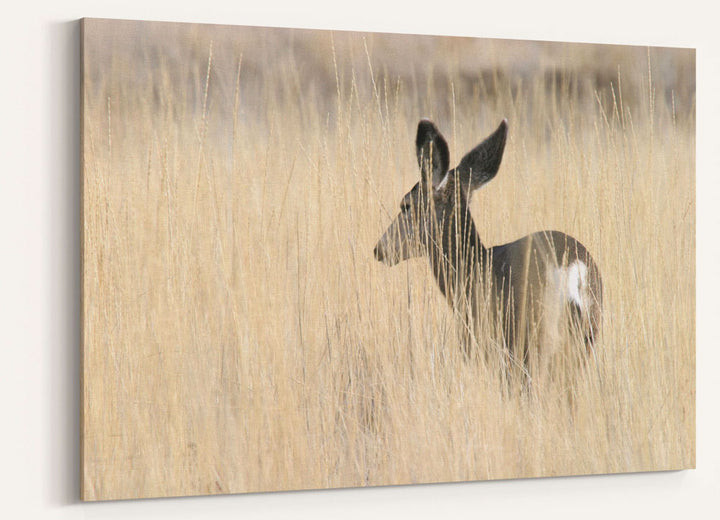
(238, 333)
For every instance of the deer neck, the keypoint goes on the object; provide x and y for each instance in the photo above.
(456, 253)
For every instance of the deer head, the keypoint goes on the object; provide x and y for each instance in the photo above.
(429, 209)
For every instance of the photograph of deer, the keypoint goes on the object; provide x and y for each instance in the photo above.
(263, 309)
(533, 287)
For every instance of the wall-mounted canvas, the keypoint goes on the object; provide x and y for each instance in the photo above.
(291, 279)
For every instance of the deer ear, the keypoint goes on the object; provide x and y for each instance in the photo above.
(432, 153)
(482, 163)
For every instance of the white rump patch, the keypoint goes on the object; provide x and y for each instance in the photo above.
(570, 283)
(564, 285)
(576, 282)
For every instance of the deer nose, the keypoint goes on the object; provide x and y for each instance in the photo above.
(379, 253)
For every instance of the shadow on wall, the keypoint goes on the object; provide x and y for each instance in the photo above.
(61, 364)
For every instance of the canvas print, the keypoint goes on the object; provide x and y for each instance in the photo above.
(292, 279)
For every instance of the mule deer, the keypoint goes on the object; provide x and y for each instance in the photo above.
(533, 289)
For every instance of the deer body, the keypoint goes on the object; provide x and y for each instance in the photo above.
(536, 288)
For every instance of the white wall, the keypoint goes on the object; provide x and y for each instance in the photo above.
(39, 204)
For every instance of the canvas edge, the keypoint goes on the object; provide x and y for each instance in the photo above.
(84, 495)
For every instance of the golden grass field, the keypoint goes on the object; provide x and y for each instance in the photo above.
(239, 335)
